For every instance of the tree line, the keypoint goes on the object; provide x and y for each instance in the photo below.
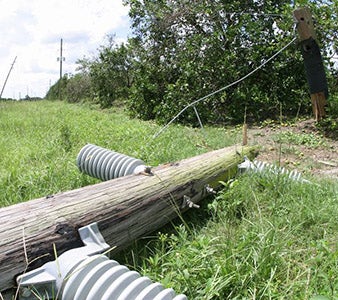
(183, 50)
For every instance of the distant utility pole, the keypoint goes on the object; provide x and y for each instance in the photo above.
(61, 59)
(3, 87)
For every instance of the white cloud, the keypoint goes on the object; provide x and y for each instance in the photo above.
(31, 30)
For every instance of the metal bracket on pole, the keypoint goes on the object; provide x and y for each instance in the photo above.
(188, 203)
(49, 278)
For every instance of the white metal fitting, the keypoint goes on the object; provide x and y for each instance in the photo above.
(85, 274)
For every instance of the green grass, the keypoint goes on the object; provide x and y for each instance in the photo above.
(311, 140)
(39, 142)
(259, 238)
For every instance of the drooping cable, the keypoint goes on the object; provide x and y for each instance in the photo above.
(223, 88)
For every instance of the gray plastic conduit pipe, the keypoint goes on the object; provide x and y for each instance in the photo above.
(85, 274)
(264, 167)
(105, 164)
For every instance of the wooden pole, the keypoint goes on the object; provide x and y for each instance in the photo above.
(318, 101)
(305, 25)
(10, 70)
(60, 80)
(125, 209)
(315, 72)
(245, 131)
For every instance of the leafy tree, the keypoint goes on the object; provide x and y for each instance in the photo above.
(110, 73)
(72, 88)
(79, 88)
(58, 90)
(188, 49)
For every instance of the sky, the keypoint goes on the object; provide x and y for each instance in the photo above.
(32, 30)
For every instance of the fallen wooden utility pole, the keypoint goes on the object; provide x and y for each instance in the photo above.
(125, 209)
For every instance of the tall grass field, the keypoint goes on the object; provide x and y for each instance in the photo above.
(261, 237)
(39, 143)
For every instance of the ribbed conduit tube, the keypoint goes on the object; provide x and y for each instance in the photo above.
(100, 278)
(261, 167)
(105, 164)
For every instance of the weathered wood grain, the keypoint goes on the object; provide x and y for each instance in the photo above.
(125, 209)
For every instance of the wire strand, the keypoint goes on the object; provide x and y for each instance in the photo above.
(255, 14)
(223, 88)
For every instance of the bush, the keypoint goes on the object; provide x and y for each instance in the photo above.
(79, 87)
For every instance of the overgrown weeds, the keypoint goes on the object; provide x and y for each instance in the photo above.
(260, 238)
(263, 240)
(39, 142)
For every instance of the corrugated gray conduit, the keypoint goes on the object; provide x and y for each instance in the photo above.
(105, 164)
(104, 279)
(267, 168)
(85, 274)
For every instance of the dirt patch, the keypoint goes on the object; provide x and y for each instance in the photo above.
(300, 146)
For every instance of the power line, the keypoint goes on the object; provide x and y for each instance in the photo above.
(223, 88)
(255, 14)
